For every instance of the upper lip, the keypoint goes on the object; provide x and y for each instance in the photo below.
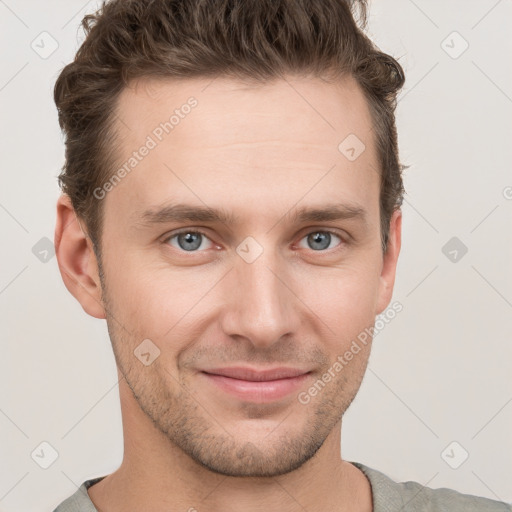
(245, 373)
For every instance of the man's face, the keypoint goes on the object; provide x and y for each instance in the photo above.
(262, 290)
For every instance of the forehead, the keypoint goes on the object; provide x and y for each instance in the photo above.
(308, 109)
(224, 141)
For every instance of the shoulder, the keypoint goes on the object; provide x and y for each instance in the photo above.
(410, 496)
(79, 501)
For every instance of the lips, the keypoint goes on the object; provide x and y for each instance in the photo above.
(258, 386)
(250, 374)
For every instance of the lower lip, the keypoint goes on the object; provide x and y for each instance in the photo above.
(260, 392)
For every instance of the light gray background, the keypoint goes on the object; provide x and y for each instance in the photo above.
(438, 373)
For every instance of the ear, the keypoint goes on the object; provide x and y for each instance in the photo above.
(76, 259)
(387, 276)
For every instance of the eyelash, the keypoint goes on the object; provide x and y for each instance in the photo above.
(340, 246)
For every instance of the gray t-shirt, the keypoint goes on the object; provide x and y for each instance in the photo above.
(388, 496)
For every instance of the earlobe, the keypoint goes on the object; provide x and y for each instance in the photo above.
(76, 259)
(390, 260)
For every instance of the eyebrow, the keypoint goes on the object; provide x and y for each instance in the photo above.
(191, 213)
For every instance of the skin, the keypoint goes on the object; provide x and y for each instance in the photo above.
(260, 152)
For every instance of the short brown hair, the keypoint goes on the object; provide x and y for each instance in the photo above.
(255, 40)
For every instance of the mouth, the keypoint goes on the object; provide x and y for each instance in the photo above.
(259, 386)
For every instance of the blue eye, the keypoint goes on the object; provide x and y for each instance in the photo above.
(320, 240)
(192, 241)
(189, 241)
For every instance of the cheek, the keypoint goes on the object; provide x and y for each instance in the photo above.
(159, 302)
(345, 298)
(139, 299)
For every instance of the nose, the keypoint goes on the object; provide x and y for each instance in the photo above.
(259, 301)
